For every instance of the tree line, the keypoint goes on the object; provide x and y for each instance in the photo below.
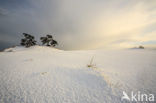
(29, 40)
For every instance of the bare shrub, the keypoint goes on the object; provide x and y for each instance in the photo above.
(91, 64)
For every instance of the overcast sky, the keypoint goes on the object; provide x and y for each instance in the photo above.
(80, 24)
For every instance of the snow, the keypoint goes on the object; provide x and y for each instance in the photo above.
(46, 75)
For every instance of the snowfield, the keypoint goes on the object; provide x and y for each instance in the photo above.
(46, 75)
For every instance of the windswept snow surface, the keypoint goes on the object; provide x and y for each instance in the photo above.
(47, 75)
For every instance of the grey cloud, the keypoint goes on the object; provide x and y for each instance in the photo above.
(3, 12)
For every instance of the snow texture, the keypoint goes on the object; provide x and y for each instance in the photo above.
(46, 75)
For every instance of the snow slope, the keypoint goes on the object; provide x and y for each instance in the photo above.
(47, 75)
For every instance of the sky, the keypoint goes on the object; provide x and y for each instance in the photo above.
(80, 24)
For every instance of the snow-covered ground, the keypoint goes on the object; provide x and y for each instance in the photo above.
(47, 75)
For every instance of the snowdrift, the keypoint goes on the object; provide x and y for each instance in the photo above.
(46, 75)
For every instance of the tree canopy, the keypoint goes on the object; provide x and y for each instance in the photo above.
(28, 41)
(48, 40)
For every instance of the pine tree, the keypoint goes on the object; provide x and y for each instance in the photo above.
(48, 41)
(28, 41)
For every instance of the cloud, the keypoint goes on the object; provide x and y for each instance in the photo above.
(84, 24)
(3, 12)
